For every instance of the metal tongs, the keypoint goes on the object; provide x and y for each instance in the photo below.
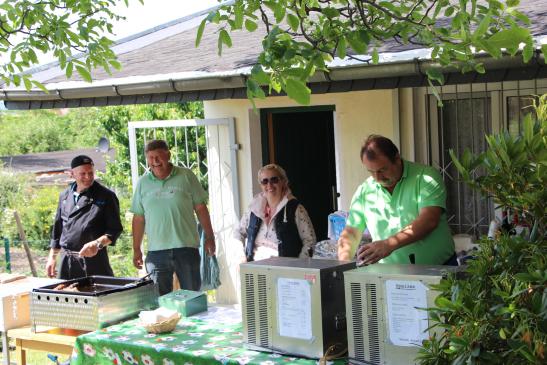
(138, 281)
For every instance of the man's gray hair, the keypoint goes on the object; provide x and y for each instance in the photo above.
(156, 144)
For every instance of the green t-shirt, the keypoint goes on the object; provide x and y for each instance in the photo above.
(168, 208)
(385, 214)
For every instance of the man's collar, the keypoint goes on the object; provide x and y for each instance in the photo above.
(74, 186)
(172, 173)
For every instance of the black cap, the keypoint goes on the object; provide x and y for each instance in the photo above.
(81, 160)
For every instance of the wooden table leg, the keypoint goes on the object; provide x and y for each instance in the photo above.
(20, 353)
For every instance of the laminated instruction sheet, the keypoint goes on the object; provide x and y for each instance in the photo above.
(406, 321)
(294, 308)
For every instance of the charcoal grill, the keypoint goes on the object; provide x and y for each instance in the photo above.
(102, 301)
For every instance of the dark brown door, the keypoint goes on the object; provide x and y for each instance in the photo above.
(302, 142)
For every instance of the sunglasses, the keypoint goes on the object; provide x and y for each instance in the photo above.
(271, 180)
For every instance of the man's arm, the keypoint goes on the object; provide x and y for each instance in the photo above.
(92, 248)
(112, 228)
(137, 229)
(205, 220)
(426, 221)
(51, 265)
(348, 242)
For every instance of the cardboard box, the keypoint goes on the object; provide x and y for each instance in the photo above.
(15, 301)
(186, 302)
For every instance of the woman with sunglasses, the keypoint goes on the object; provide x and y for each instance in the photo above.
(276, 224)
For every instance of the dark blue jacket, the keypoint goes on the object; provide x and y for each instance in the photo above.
(285, 229)
(96, 213)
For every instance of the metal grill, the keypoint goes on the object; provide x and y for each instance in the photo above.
(263, 311)
(357, 321)
(372, 324)
(250, 306)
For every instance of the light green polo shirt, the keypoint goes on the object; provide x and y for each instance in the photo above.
(168, 208)
(385, 214)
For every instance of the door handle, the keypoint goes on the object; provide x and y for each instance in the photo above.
(335, 196)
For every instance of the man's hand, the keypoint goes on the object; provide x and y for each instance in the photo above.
(137, 258)
(210, 246)
(90, 249)
(373, 252)
(51, 267)
(347, 243)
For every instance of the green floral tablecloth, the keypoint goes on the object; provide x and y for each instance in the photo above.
(213, 337)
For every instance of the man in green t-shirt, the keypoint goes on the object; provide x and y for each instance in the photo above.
(163, 207)
(403, 206)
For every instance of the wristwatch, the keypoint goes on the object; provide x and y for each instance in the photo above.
(99, 244)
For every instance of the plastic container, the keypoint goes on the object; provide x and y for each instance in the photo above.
(337, 222)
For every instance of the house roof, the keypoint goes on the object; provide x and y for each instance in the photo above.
(163, 65)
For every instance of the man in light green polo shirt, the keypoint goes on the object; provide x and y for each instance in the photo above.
(163, 207)
(403, 206)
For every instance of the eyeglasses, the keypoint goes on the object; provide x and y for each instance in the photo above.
(271, 180)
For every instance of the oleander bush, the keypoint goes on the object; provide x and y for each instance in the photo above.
(497, 312)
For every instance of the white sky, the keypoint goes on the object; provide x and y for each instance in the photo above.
(141, 17)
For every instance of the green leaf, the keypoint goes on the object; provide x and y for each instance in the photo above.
(502, 334)
(341, 48)
(250, 25)
(279, 12)
(115, 64)
(544, 49)
(40, 86)
(298, 91)
(528, 52)
(259, 75)
(200, 31)
(254, 90)
(293, 21)
(330, 12)
(356, 42)
(69, 69)
(483, 26)
(436, 75)
(28, 83)
(84, 73)
(223, 38)
(513, 3)
(528, 129)
(238, 17)
(509, 39)
(375, 56)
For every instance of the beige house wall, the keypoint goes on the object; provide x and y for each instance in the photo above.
(357, 114)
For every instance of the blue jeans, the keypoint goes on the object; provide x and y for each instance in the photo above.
(184, 261)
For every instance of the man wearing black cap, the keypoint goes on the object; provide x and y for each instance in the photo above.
(87, 220)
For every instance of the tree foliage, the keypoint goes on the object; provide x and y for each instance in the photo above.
(65, 28)
(304, 35)
(23, 132)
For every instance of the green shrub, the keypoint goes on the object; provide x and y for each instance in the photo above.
(12, 190)
(38, 214)
(498, 313)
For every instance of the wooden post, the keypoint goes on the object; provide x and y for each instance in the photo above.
(23, 238)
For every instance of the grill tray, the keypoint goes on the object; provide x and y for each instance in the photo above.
(104, 301)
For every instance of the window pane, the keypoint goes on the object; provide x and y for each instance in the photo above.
(464, 123)
(517, 108)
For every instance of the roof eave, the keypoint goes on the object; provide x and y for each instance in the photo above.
(237, 79)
